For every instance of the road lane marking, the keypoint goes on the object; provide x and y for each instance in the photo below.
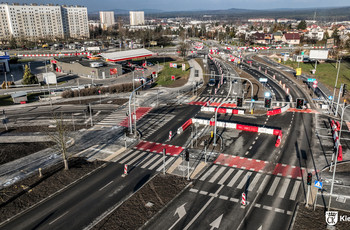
(274, 186)
(136, 158)
(202, 209)
(254, 182)
(105, 186)
(234, 179)
(224, 178)
(156, 164)
(130, 156)
(294, 193)
(58, 218)
(244, 180)
(208, 173)
(284, 188)
(150, 161)
(217, 174)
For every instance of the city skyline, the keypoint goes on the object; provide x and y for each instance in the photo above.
(183, 5)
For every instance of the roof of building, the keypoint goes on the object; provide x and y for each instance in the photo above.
(127, 55)
(259, 36)
(83, 61)
(19, 94)
(292, 36)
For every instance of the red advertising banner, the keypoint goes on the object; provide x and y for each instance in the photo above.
(113, 71)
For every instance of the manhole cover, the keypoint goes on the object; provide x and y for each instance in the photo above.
(341, 199)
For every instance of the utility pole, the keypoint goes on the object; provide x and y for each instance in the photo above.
(90, 114)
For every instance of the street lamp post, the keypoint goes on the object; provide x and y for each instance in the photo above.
(335, 86)
(336, 156)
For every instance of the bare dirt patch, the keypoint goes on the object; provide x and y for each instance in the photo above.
(22, 195)
(144, 204)
(11, 152)
(307, 219)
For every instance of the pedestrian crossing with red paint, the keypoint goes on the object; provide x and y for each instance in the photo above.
(140, 112)
(250, 164)
(158, 148)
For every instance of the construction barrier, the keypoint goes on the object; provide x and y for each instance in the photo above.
(184, 126)
(248, 128)
(222, 110)
(52, 55)
(279, 139)
(335, 128)
(278, 111)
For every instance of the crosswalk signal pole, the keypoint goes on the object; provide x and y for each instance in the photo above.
(309, 179)
(187, 158)
(90, 115)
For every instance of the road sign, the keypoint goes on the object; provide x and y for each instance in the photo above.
(263, 79)
(318, 184)
(330, 97)
(173, 77)
(311, 79)
(298, 71)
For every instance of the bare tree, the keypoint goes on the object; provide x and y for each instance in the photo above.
(183, 49)
(60, 138)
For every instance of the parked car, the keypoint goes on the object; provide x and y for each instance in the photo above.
(212, 82)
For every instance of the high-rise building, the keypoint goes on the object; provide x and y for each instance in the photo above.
(137, 18)
(106, 19)
(43, 21)
(75, 21)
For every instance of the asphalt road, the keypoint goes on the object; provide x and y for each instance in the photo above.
(78, 205)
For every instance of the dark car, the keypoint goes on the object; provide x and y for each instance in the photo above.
(212, 82)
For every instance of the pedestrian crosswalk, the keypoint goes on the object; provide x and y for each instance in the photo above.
(113, 119)
(214, 101)
(146, 160)
(274, 186)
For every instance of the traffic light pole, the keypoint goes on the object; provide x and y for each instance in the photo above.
(335, 86)
(307, 196)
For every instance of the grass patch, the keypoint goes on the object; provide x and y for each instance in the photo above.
(326, 73)
(164, 76)
(5, 100)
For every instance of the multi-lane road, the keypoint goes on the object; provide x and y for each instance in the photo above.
(272, 178)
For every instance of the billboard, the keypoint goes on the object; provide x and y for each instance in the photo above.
(319, 54)
(298, 70)
(173, 65)
(330, 43)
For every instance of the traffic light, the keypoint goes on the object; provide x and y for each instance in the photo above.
(187, 155)
(300, 103)
(239, 102)
(344, 90)
(309, 178)
(267, 102)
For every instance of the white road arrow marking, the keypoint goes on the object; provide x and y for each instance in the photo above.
(216, 223)
(181, 211)
(260, 228)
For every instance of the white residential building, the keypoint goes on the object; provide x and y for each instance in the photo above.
(106, 19)
(75, 21)
(137, 18)
(42, 21)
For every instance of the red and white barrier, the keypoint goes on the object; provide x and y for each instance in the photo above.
(243, 199)
(222, 110)
(125, 169)
(52, 55)
(170, 135)
(184, 126)
(278, 141)
(278, 111)
(248, 128)
(335, 128)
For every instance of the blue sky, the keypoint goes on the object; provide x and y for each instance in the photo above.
(179, 5)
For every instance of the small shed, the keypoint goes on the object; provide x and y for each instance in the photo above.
(50, 78)
(19, 97)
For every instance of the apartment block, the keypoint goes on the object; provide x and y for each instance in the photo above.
(137, 18)
(106, 19)
(42, 21)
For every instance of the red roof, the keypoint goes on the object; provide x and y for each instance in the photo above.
(292, 36)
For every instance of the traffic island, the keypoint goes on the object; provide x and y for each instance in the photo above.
(144, 204)
(307, 218)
